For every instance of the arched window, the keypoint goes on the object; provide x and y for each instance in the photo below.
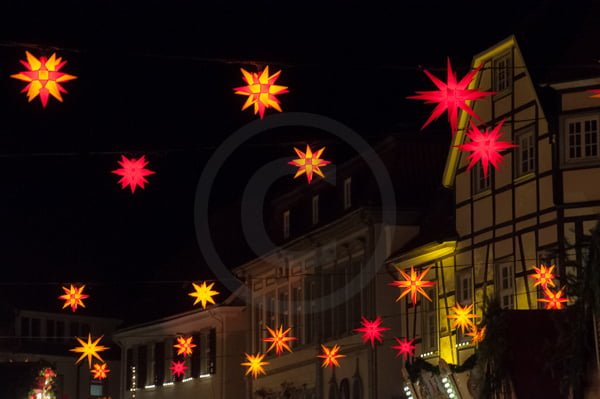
(333, 390)
(357, 388)
(344, 389)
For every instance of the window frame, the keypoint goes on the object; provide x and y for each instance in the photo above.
(501, 292)
(315, 209)
(506, 57)
(347, 193)
(583, 160)
(286, 224)
(477, 178)
(518, 156)
(430, 312)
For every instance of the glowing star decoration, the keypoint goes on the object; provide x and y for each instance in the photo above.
(255, 365)
(203, 294)
(554, 300)
(309, 163)
(279, 340)
(43, 77)
(451, 96)
(485, 147)
(596, 93)
(413, 284)
(178, 368)
(261, 90)
(372, 330)
(73, 297)
(405, 348)
(133, 172)
(184, 346)
(462, 317)
(477, 335)
(100, 371)
(331, 356)
(543, 276)
(89, 349)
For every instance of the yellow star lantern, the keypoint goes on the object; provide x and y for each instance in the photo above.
(255, 365)
(204, 294)
(184, 346)
(279, 340)
(309, 163)
(543, 276)
(261, 90)
(413, 284)
(89, 349)
(478, 335)
(100, 371)
(73, 297)
(462, 317)
(331, 356)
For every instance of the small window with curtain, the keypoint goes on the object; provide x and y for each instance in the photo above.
(525, 153)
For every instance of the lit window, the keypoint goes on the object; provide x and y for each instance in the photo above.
(582, 138)
(429, 328)
(525, 159)
(347, 193)
(502, 73)
(315, 209)
(286, 224)
(464, 285)
(481, 183)
(505, 285)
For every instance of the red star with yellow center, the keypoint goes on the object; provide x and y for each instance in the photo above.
(184, 346)
(261, 90)
(73, 297)
(309, 163)
(331, 356)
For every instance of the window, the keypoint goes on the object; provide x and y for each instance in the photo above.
(130, 365)
(196, 355)
(464, 284)
(168, 344)
(74, 329)
(505, 284)
(312, 315)
(525, 153)
(298, 299)
(315, 209)
(151, 377)
(50, 333)
(333, 390)
(259, 324)
(159, 363)
(24, 327)
(204, 353)
(344, 389)
(284, 306)
(341, 274)
(481, 183)
(357, 388)
(286, 225)
(502, 73)
(60, 330)
(356, 310)
(429, 330)
(85, 329)
(142, 366)
(582, 138)
(347, 193)
(36, 327)
(96, 390)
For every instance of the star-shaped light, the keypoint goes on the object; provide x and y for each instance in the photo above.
(309, 163)
(203, 294)
(478, 335)
(255, 365)
(371, 330)
(133, 172)
(451, 96)
(331, 356)
(73, 297)
(413, 284)
(178, 368)
(404, 348)
(485, 147)
(543, 276)
(462, 317)
(184, 346)
(554, 300)
(100, 371)
(89, 349)
(279, 340)
(43, 77)
(596, 93)
(261, 90)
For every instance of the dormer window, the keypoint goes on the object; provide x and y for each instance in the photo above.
(347, 193)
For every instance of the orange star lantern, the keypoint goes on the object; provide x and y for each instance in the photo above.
(73, 297)
(255, 365)
(261, 90)
(543, 276)
(279, 340)
(478, 335)
(331, 356)
(204, 294)
(100, 371)
(43, 77)
(89, 349)
(462, 317)
(309, 163)
(133, 172)
(184, 346)
(554, 300)
(413, 284)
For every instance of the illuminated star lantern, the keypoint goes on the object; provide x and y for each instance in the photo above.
(255, 365)
(279, 340)
(451, 96)
(100, 371)
(596, 93)
(404, 348)
(543, 276)
(331, 356)
(462, 317)
(554, 300)
(485, 147)
(203, 294)
(184, 346)
(478, 335)
(261, 90)
(371, 330)
(178, 368)
(89, 349)
(73, 297)
(309, 163)
(43, 77)
(413, 284)
(133, 172)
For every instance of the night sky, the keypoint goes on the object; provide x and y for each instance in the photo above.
(156, 78)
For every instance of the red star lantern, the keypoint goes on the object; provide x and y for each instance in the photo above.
(413, 284)
(309, 163)
(331, 356)
(178, 368)
(372, 330)
(543, 276)
(43, 77)
(485, 147)
(100, 371)
(554, 300)
(133, 172)
(451, 96)
(279, 340)
(261, 90)
(73, 297)
(404, 348)
(184, 346)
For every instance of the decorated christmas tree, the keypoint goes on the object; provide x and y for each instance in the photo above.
(43, 387)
